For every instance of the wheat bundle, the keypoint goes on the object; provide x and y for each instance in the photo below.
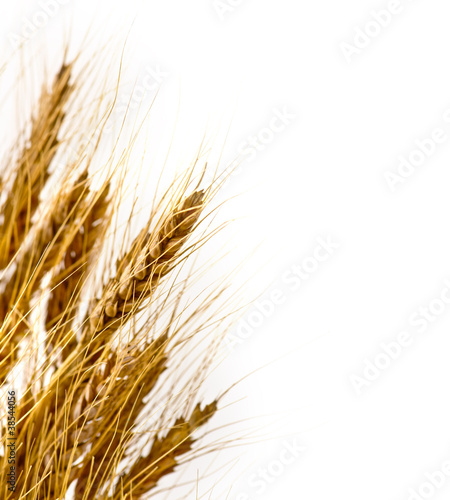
(93, 374)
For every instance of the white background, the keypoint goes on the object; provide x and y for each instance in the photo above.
(322, 176)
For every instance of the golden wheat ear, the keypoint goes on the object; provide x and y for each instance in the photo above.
(147, 471)
(32, 169)
(147, 266)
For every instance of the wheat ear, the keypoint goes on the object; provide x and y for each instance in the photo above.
(147, 471)
(32, 169)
